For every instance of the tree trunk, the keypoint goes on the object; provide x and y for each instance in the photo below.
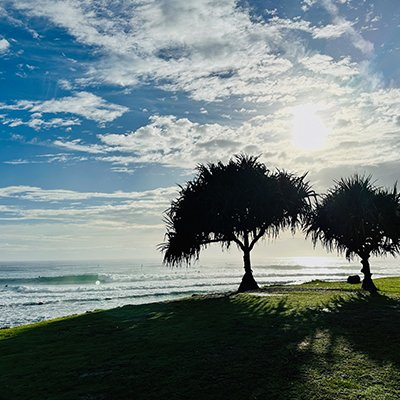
(367, 283)
(248, 282)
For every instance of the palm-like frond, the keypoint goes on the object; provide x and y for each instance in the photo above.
(356, 217)
(226, 203)
(297, 196)
(388, 204)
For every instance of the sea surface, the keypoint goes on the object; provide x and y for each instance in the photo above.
(35, 291)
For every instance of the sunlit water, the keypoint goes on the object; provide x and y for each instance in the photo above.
(31, 292)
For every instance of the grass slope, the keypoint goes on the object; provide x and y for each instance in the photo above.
(333, 343)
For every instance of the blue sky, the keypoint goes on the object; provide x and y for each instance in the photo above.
(106, 105)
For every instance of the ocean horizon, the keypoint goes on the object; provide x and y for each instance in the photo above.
(35, 291)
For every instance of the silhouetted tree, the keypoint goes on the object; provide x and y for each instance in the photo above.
(357, 218)
(239, 203)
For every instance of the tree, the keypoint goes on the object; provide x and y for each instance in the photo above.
(239, 203)
(357, 218)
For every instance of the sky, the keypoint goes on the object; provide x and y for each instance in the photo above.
(106, 106)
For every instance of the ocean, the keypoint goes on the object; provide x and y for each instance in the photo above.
(35, 291)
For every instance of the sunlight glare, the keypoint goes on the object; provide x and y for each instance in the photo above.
(309, 131)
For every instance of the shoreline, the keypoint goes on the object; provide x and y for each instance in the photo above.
(268, 290)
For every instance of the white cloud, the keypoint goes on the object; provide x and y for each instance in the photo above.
(38, 123)
(76, 145)
(341, 25)
(84, 104)
(324, 64)
(49, 159)
(119, 160)
(123, 170)
(4, 45)
(17, 21)
(65, 84)
(37, 194)
(386, 104)
(306, 4)
(211, 49)
(214, 50)
(171, 141)
(18, 161)
(333, 31)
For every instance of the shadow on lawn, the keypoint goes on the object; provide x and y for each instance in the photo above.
(371, 324)
(237, 348)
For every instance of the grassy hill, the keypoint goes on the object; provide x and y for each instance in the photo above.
(313, 341)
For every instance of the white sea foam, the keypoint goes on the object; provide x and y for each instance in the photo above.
(31, 292)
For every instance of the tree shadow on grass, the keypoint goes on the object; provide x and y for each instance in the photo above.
(238, 347)
(353, 350)
(371, 323)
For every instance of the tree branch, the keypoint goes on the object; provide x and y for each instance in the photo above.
(233, 238)
(256, 238)
(238, 242)
(211, 241)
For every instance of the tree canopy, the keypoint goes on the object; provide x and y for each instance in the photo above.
(238, 202)
(357, 218)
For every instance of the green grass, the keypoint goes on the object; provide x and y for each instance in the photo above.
(305, 344)
(388, 285)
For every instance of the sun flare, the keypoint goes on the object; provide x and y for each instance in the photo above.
(309, 131)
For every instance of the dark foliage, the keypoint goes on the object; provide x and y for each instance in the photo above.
(357, 218)
(238, 202)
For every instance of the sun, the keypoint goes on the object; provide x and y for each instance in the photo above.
(309, 131)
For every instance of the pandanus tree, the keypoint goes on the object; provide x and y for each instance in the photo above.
(235, 203)
(358, 219)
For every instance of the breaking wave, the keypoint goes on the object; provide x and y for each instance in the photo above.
(33, 292)
(58, 280)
